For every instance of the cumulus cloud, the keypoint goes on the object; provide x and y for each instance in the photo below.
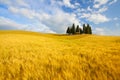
(95, 17)
(98, 3)
(6, 23)
(10, 24)
(68, 3)
(89, 9)
(58, 20)
(51, 18)
(23, 11)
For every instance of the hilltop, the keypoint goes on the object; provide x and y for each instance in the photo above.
(28, 55)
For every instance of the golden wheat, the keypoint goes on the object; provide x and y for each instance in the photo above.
(35, 56)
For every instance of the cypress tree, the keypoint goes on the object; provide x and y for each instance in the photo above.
(88, 29)
(68, 30)
(77, 29)
(73, 29)
(84, 29)
(81, 31)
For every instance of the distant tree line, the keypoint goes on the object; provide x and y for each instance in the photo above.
(77, 30)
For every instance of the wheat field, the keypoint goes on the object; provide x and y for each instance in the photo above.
(35, 56)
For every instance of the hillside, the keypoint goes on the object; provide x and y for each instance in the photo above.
(36, 56)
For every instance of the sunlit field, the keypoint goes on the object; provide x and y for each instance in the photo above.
(37, 56)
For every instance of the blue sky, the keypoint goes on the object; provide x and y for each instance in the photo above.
(54, 16)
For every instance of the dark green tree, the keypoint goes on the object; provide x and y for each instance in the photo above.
(84, 29)
(81, 31)
(90, 30)
(73, 29)
(77, 29)
(68, 31)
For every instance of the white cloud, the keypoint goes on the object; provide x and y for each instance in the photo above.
(99, 31)
(96, 6)
(19, 3)
(85, 15)
(80, 11)
(13, 9)
(77, 4)
(107, 31)
(102, 9)
(22, 3)
(57, 21)
(95, 17)
(24, 11)
(68, 3)
(98, 3)
(27, 13)
(113, 1)
(60, 20)
(39, 27)
(98, 18)
(6, 23)
(89, 9)
(7, 2)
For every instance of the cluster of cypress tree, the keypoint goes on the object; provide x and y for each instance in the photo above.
(86, 29)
